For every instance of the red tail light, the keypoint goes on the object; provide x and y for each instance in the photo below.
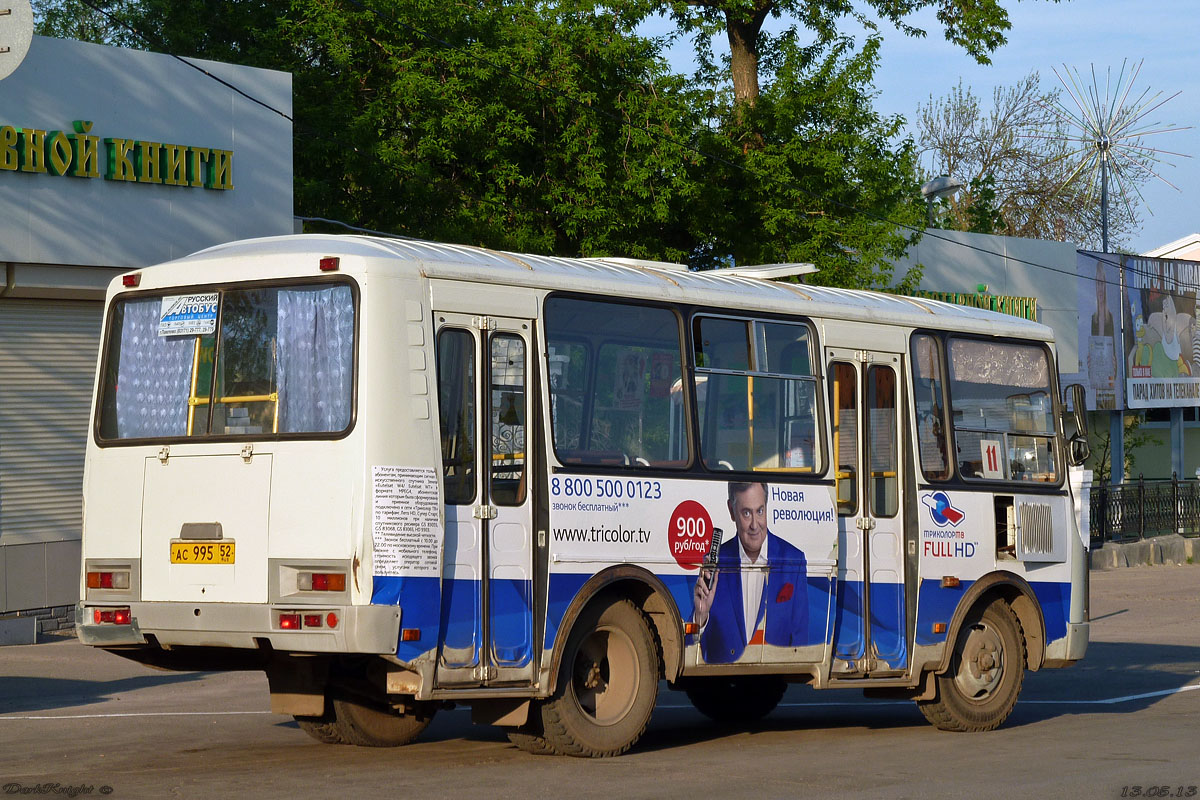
(112, 616)
(312, 620)
(329, 264)
(331, 619)
(117, 579)
(321, 581)
(131, 280)
(289, 622)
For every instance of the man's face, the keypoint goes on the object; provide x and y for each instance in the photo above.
(749, 511)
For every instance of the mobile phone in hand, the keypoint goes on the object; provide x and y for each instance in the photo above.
(708, 569)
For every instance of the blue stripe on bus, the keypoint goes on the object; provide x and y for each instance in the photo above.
(888, 631)
(563, 588)
(459, 622)
(1055, 600)
(820, 631)
(512, 621)
(419, 600)
(888, 627)
(938, 604)
(848, 624)
(462, 623)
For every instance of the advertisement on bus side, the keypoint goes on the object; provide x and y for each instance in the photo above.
(745, 548)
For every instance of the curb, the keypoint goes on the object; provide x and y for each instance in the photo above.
(1158, 551)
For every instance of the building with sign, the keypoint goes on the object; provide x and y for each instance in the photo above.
(1126, 327)
(1028, 278)
(110, 159)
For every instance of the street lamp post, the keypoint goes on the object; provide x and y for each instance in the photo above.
(941, 186)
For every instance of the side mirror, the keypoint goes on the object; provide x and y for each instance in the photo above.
(1079, 448)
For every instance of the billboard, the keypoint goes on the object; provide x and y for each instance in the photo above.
(1099, 304)
(1161, 345)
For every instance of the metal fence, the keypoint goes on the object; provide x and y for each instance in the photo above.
(1138, 509)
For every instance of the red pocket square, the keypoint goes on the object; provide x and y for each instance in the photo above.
(785, 593)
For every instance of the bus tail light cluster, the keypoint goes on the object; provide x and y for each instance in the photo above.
(306, 620)
(108, 579)
(321, 581)
(112, 616)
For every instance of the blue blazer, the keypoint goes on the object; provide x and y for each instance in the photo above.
(784, 602)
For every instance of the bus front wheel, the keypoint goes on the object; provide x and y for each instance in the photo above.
(607, 684)
(987, 668)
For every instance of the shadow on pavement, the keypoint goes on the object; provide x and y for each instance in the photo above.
(1111, 671)
(24, 694)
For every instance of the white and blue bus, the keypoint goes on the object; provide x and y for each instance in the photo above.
(399, 475)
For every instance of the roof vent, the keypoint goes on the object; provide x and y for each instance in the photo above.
(768, 271)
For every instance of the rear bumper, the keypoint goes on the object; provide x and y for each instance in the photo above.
(360, 629)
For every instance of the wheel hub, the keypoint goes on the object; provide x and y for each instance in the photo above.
(981, 664)
(591, 676)
(605, 676)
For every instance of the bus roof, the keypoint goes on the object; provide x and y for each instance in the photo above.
(635, 278)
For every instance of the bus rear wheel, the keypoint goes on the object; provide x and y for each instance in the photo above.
(607, 684)
(736, 701)
(987, 669)
(531, 738)
(369, 725)
(323, 728)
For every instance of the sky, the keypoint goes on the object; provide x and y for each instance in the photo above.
(1079, 34)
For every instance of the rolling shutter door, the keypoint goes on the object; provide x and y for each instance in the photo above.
(47, 360)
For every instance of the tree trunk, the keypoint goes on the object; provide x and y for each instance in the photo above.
(743, 51)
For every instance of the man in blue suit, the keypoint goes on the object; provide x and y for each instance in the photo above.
(758, 593)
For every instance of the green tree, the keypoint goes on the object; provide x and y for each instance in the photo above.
(536, 127)
(978, 27)
(813, 173)
(552, 127)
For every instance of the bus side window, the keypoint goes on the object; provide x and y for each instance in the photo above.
(612, 367)
(928, 382)
(508, 419)
(756, 395)
(843, 409)
(456, 400)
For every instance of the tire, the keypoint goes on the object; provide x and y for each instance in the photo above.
(987, 669)
(365, 725)
(324, 731)
(323, 728)
(607, 684)
(736, 701)
(530, 738)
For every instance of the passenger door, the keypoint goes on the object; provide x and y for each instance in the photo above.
(483, 367)
(870, 636)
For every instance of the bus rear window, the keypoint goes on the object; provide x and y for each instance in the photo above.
(259, 361)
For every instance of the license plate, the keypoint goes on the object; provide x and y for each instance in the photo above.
(202, 552)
